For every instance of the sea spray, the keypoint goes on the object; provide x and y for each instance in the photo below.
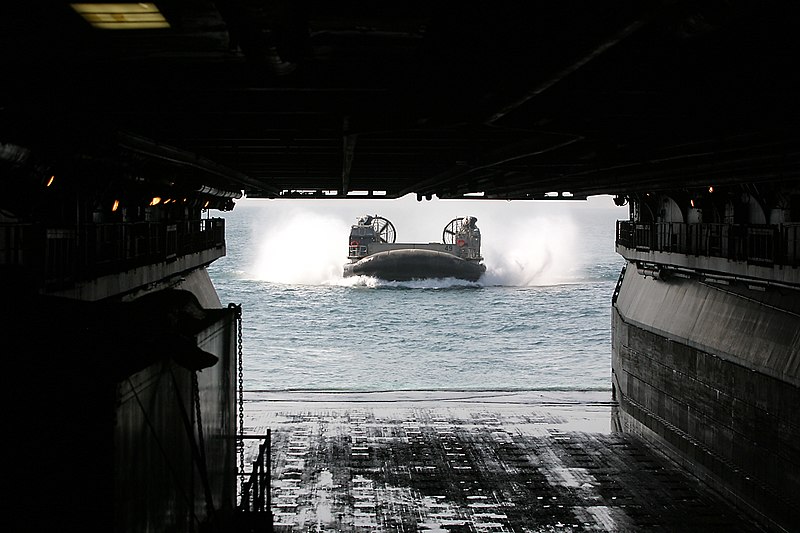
(303, 248)
(309, 248)
(529, 252)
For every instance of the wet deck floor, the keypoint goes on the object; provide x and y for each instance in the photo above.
(458, 462)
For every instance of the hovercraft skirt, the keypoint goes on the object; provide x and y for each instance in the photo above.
(405, 265)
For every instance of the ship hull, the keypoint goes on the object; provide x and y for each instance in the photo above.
(405, 265)
(710, 375)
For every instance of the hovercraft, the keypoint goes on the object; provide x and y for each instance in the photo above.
(374, 252)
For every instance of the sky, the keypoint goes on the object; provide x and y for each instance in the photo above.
(424, 221)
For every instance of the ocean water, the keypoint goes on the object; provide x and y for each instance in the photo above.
(539, 319)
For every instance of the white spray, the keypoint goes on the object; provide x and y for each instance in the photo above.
(304, 248)
(307, 247)
(529, 252)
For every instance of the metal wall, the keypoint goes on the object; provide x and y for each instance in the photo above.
(710, 375)
(159, 483)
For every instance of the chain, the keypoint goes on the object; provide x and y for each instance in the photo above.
(240, 440)
(619, 285)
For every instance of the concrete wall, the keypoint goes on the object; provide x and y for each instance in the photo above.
(710, 376)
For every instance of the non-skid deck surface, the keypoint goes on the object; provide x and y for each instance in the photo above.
(470, 462)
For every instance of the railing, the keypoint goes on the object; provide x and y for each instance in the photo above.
(357, 251)
(17, 242)
(59, 256)
(759, 244)
(255, 505)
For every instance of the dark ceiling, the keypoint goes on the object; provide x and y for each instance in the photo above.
(432, 98)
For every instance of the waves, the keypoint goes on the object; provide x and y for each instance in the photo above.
(537, 320)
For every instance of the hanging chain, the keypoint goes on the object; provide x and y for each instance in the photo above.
(619, 285)
(240, 432)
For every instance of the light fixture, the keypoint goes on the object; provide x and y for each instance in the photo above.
(50, 181)
(206, 204)
(691, 202)
(118, 16)
(710, 188)
(155, 201)
(115, 206)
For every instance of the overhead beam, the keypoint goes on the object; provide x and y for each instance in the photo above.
(569, 69)
(348, 152)
(175, 156)
(456, 173)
